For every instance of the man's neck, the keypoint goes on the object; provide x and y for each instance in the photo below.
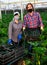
(31, 13)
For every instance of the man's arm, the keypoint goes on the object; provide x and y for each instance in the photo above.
(41, 23)
(25, 22)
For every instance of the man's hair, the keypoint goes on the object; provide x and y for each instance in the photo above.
(31, 5)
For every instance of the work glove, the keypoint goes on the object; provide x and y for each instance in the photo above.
(42, 28)
(10, 42)
(19, 36)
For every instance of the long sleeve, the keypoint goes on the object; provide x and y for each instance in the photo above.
(25, 21)
(40, 20)
(10, 30)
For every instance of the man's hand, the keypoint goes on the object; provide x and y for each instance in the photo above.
(23, 28)
(42, 28)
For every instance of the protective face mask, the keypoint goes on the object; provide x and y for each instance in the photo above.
(16, 17)
(30, 10)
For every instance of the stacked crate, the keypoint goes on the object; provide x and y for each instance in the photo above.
(9, 56)
(6, 56)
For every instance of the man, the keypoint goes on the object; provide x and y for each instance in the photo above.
(32, 22)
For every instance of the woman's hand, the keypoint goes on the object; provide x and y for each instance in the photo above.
(10, 42)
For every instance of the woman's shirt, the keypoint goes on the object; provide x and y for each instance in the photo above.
(14, 30)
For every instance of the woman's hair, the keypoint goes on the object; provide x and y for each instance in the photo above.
(16, 13)
(31, 5)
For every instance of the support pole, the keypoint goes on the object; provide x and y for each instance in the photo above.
(21, 11)
(0, 13)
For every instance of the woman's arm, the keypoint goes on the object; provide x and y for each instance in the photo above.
(10, 30)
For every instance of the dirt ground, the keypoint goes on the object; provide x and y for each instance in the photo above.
(19, 62)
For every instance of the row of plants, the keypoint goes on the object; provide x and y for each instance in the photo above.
(4, 23)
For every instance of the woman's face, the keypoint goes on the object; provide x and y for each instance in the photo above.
(16, 17)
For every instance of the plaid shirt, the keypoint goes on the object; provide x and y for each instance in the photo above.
(33, 21)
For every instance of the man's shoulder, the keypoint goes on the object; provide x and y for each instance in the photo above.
(36, 13)
(26, 15)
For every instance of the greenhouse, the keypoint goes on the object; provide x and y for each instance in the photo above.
(32, 51)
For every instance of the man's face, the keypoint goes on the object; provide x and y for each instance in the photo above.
(29, 7)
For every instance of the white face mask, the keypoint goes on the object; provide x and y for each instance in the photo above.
(16, 17)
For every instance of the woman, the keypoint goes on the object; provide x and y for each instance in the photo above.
(14, 31)
(32, 22)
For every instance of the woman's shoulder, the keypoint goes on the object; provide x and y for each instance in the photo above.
(11, 22)
(20, 21)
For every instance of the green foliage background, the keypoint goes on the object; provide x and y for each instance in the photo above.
(6, 18)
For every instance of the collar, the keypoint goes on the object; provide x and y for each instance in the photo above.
(16, 23)
(30, 14)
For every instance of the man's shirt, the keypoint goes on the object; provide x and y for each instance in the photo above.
(33, 21)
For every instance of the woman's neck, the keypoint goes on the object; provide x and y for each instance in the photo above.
(16, 21)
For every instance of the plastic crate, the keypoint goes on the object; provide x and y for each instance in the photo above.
(19, 50)
(6, 55)
(9, 56)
